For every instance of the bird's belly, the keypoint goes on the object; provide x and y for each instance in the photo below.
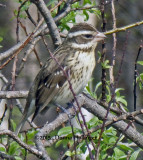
(78, 80)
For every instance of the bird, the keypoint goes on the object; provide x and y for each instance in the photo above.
(76, 58)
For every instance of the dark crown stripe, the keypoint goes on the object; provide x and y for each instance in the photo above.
(82, 27)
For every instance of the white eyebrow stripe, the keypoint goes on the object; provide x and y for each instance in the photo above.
(74, 34)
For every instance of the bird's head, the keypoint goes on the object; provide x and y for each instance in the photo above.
(84, 36)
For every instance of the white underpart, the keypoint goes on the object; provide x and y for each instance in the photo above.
(86, 60)
(74, 34)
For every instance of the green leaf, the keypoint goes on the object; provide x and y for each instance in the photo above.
(58, 143)
(76, 5)
(13, 149)
(105, 64)
(119, 89)
(140, 62)
(135, 155)
(68, 130)
(17, 158)
(112, 140)
(124, 147)
(68, 153)
(31, 134)
(122, 100)
(51, 2)
(97, 86)
(118, 153)
(1, 38)
(99, 54)
(140, 85)
(2, 149)
(65, 131)
(87, 2)
(141, 76)
(93, 122)
(86, 15)
(13, 124)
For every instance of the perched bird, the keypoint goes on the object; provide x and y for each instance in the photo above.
(76, 55)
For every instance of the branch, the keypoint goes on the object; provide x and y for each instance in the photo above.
(94, 108)
(121, 29)
(42, 30)
(49, 21)
(5, 156)
(13, 94)
(100, 112)
(21, 143)
(63, 117)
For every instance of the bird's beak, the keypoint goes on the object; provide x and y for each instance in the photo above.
(100, 36)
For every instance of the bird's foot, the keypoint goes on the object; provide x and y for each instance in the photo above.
(65, 111)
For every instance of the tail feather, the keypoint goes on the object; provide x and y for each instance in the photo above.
(29, 110)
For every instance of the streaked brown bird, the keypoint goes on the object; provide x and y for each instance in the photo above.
(77, 57)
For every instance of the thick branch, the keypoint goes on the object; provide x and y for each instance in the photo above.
(5, 156)
(97, 110)
(49, 21)
(13, 94)
(100, 112)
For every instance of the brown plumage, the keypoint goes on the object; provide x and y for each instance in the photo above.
(76, 55)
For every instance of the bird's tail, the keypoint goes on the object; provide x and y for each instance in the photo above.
(29, 110)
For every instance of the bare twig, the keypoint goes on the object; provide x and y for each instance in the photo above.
(34, 50)
(103, 77)
(111, 70)
(30, 17)
(122, 59)
(18, 21)
(17, 51)
(135, 77)
(121, 29)
(1, 119)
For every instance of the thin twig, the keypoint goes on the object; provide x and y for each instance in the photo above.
(103, 77)
(122, 59)
(121, 29)
(18, 21)
(30, 17)
(28, 39)
(135, 77)
(34, 50)
(111, 70)
(4, 113)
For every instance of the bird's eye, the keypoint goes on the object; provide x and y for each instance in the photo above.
(88, 35)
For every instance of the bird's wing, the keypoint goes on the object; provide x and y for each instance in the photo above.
(50, 79)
